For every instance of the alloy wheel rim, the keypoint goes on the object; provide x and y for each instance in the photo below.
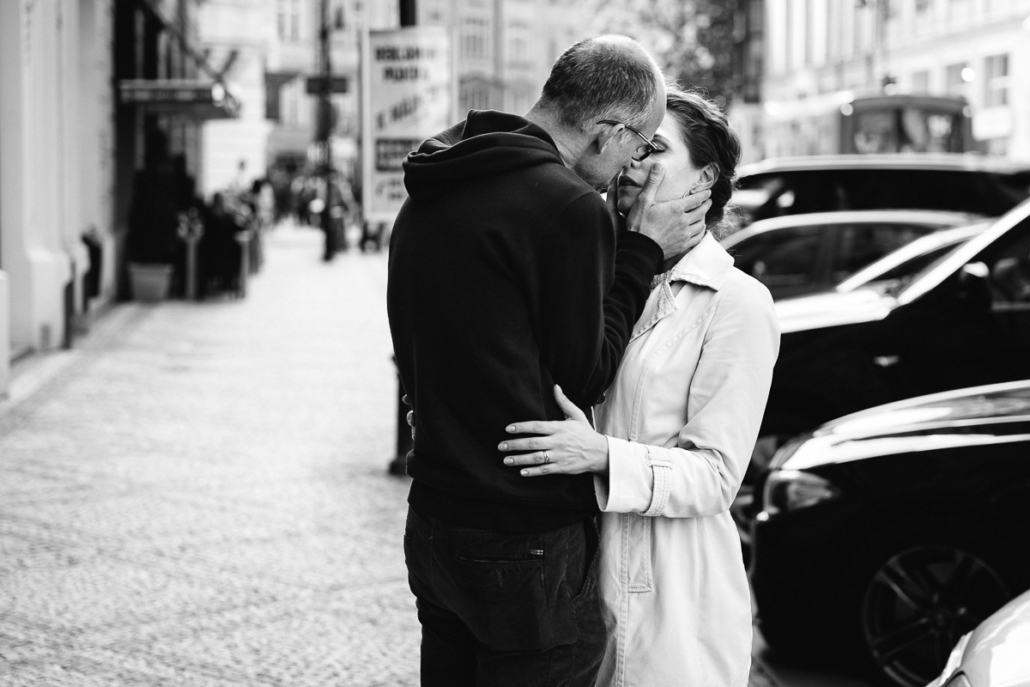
(918, 605)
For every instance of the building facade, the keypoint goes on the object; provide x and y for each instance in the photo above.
(293, 61)
(824, 51)
(505, 48)
(92, 93)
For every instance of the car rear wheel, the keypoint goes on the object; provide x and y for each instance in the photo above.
(916, 601)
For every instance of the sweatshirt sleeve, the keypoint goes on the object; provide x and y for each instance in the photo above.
(701, 475)
(593, 285)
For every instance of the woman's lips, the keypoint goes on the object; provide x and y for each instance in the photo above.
(626, 181)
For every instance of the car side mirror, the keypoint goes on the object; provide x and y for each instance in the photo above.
(974, 280)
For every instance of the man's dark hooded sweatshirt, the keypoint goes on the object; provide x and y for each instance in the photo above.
(506, 277)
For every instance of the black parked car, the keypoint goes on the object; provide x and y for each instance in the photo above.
(972, 184)
(886, 535)
(962, 321)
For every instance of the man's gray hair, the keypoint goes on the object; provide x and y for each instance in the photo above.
(602, 79)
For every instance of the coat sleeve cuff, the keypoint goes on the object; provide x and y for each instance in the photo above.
(630, 482)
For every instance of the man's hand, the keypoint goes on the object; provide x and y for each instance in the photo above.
(676, 225)
(612, 201)
(410, 416)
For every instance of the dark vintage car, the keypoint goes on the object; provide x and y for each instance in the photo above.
(974, 184)
(886, 535)
(962, 321)
(801, 254)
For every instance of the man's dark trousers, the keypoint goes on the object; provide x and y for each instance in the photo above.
(500, 610)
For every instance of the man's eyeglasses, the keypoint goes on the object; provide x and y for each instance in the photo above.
(650, 146)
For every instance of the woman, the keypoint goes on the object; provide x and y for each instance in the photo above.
(674, 436)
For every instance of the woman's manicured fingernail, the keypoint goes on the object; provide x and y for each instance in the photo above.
(503, 446)
(510, 428)
(658, 167)
(509, 461)
(524, 473)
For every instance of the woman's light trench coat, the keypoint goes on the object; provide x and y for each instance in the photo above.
(682, 418)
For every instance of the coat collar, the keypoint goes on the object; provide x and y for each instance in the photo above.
(706, 266)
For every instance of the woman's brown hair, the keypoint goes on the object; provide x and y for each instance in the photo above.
(710, 141)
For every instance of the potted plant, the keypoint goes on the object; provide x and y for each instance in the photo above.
(152, 240)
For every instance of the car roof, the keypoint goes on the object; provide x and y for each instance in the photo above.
(908, 161)
(932, 218)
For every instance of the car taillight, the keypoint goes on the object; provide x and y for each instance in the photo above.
(787, 490)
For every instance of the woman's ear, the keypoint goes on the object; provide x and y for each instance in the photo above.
(709, 175)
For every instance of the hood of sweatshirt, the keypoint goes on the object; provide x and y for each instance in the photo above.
(485, 144)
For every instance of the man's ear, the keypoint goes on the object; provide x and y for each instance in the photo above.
(606, 135)
(709, 175)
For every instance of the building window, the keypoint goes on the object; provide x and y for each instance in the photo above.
(473, 38)
(921, 82)
(474, 98)
(281, 18)
(957, 76)
(996, 81)
(922, 5)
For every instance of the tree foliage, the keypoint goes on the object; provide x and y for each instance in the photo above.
(691, 39)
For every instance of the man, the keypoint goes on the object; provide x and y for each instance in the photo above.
(506, 278)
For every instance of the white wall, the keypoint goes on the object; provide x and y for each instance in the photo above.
(33, 218)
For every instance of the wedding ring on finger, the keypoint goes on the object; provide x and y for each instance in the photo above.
(547, 458)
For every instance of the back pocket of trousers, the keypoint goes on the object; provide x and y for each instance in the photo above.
(511, 601)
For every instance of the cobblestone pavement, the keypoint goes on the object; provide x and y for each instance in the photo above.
(197, 493)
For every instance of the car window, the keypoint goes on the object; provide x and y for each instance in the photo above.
(1010, 268)
(859, 245)
(916, 264)
(780, 258)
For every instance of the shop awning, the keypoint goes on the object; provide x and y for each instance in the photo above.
(193, 98)
(202, 98)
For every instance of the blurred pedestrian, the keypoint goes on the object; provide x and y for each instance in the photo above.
(506, 275)
(674, 436)
(220, 253)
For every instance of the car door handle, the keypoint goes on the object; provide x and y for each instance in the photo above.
(886, 360)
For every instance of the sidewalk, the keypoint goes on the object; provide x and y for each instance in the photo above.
(197, 493)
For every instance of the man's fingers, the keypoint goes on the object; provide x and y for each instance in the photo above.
(687, 203)
(651, 185)
(411, 418)
(405, 401)
(698, 214)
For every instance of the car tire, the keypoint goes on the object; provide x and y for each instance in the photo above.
(908, 598)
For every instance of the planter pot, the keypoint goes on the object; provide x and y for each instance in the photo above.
(150, 282)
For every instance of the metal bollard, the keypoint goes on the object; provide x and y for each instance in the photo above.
(398, 466)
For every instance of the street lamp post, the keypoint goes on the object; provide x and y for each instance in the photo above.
(325, 132)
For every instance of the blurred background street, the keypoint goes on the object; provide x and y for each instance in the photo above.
(201, 469)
